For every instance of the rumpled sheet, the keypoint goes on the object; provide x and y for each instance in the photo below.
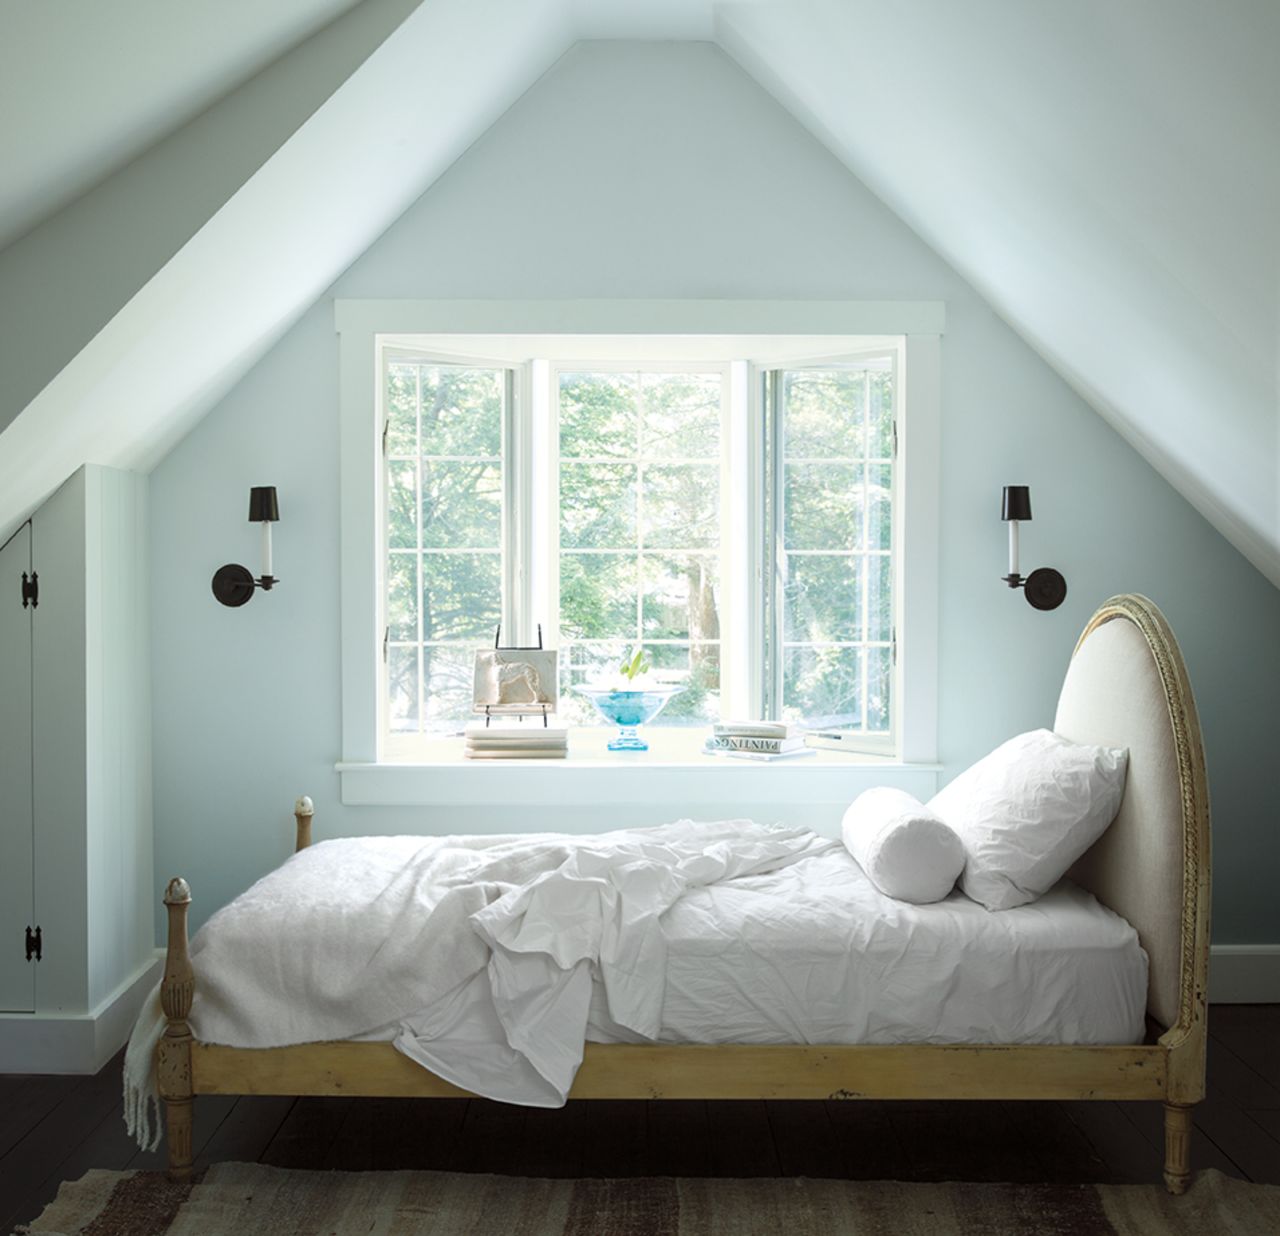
(480, 949)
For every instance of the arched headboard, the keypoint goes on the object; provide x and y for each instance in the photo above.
(1127, 687)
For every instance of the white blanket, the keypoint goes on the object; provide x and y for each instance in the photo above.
(480, 949)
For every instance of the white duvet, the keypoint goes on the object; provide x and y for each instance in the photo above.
(490, 960)
(480, 950)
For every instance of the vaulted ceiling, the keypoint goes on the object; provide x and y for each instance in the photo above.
(1108, 176)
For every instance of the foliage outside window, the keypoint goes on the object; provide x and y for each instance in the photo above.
(641, 476)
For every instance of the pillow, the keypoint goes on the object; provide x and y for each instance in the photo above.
(906, 851)
(1027, 811)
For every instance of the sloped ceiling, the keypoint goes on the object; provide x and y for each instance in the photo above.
(1108, 176)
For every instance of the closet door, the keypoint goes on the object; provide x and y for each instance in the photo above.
(17, 974)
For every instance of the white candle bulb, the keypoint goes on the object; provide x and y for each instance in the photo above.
(266, 547)
(1013, 547)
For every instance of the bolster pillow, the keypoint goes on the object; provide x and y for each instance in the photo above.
(906, 851)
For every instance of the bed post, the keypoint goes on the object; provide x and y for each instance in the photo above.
(173, 1056)
(303, 810)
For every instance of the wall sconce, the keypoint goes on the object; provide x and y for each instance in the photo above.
(1045, 588)
(232, 584)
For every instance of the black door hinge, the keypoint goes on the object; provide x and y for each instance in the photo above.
(34, 944)
(30, 590)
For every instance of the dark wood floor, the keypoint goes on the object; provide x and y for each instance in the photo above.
(56, 1128)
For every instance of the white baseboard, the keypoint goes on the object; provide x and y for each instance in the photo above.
(76, 1042)
(1244, 974)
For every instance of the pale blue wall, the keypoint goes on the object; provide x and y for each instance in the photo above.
(661, 170)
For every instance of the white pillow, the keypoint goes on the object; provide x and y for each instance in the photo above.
(906, 851)
(1027, 811)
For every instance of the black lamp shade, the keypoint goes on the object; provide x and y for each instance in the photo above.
(1017, 502)
(263, 506)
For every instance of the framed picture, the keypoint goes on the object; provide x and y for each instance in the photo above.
(515, 680)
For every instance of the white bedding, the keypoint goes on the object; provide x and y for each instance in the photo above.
(491, 959)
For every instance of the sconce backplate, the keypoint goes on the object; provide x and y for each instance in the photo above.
(1045, 588)
(232, 584)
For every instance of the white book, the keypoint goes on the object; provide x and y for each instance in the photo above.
(761, 757)
(756, 729)
(753, 742)
(517, 729)
(517, 753)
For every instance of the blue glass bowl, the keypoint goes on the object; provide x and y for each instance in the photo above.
(629, 710)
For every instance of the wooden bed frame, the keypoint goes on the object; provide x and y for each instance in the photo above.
(1169, 1067)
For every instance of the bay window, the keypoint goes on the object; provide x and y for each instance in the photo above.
(736, 514)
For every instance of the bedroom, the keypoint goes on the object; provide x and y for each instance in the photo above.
(639, 180)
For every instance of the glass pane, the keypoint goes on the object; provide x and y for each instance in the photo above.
(402, 515)
(681, 506)
(879, 676)
(598, 414)
(820, 598)
(822, 687)
(461, 505)
(597, 506)
(402, 596)
(598, 596)
(402, 689)
(450, 688)
(879, 568)
(696, 668)
(587, 665)
(461, 410)
(461, 596)
(824, 412)
(681, 597)
(880, 414)
(879, 506)
(681, 415)
(823, 506)
(402, 410)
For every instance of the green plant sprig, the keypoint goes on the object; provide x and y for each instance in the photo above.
(635, 664)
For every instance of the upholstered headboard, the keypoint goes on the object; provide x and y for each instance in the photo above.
(1127, 686)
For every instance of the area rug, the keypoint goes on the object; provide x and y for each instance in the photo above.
(239, 1199)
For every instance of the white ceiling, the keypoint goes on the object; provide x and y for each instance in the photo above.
(87, 85)
(1107, 175)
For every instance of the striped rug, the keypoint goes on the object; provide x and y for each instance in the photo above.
(239, 1199)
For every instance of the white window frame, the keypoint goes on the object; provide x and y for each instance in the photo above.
(366, 327)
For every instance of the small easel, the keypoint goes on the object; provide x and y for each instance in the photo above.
(497, 647)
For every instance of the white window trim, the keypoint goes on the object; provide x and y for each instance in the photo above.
(360, 324)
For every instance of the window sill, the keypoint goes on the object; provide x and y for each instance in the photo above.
(674, 771)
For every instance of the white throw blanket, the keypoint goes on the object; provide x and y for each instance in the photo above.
(481, 950)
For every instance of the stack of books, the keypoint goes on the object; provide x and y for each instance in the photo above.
(524, 739)
(757, 740)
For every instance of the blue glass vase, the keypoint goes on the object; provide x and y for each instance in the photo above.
(629, 710)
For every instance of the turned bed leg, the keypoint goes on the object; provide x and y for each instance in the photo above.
(303, 810)
(1177, 1146)
(173, 1056)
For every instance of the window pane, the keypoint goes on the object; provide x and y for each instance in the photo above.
(824, 411)
(820, 598)
(461, 411)
(822, 687)
(402, 596)
(681, 506)
(681, 597)
(461, 596)
(681, 415)
(449, 680)
(402, 410)
(880, 413)
(402, 689)
(598, 414)
(879, 571)
(587, 665)
(597, 506)
(696, 669)
(879, 521)
(879, 677)
(823, 506)
(402, 515)
(461, 505)
(597, 595)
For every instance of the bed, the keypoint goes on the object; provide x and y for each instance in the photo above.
(1126, 686)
